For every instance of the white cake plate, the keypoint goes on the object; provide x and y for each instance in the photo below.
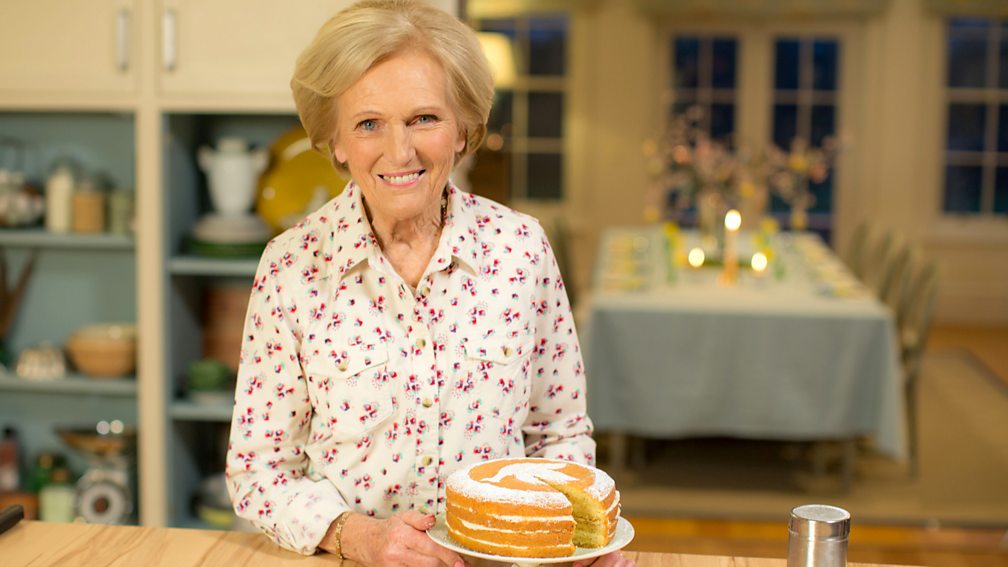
(624, 535)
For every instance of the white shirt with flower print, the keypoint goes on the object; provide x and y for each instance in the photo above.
(357, 392)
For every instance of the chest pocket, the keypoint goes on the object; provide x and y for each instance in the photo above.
(353, 391)
(498, 370)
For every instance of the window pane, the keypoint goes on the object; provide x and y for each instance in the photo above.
(722, 121)
(824, 65)
(687, 62)
(1001, 191)
(823, 123)
(723, 72)
(962, 189)
(823, 193)
(786, 64)
(1003, 60)
(546, 111)
(500, 113)
(966, 127)
(969, 24)
(967, 62)
(1003, 128)
(545, 176)
(785, 124)
(547, 46)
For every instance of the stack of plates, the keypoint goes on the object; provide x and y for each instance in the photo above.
(227, 236)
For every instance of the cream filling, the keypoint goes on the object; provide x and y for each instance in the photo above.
(481, 527)
(497, 544)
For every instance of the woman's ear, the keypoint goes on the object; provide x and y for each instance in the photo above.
(460, 144)
(337, 149)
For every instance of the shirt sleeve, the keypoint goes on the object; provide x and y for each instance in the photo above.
(267, 469)
(558, 425)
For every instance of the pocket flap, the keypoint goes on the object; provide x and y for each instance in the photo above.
(501, 351)
(355, 359)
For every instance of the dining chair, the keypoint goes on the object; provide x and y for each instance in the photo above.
(914, 319)
(895, 283)
(854, 256)
(878, 260)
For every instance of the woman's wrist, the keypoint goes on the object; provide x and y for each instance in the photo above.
(332, 541)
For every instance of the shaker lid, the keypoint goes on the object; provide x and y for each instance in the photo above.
(819, 521)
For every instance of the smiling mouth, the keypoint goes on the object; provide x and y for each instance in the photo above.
(404, 179)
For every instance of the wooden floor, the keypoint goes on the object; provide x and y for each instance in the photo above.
(936, 546)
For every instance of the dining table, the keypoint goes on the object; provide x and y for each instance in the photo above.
(786, 346)
(41, 544)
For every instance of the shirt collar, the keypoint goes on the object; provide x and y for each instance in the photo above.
(353, 241)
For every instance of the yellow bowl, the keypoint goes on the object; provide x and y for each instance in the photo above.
(104, 350)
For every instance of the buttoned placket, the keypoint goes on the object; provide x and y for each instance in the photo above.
(423, 365)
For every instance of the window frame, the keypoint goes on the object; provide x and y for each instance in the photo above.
(755, 91)
(519, 143)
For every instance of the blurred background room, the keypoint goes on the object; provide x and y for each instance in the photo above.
(783, 227)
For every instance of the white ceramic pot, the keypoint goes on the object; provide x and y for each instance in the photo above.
(233, 173)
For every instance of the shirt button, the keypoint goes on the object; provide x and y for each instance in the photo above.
(508, 351)
(421, 343)
(342, 366)
(427, 402)
(427, 460)
(424, 291)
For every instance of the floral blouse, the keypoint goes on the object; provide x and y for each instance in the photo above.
(357, 392)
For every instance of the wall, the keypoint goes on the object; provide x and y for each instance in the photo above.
(893, 159)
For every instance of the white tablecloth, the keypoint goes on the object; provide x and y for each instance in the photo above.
(802, 352)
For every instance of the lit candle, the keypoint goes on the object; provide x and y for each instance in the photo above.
(695, 257)
(759, 263)
(732, 222)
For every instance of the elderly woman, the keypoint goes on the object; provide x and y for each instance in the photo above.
(405, 329)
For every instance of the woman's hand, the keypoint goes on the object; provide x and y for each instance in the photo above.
(399, 540)
(614, 559)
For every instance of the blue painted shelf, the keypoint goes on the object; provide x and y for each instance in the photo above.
(72, 384)
(39, 238)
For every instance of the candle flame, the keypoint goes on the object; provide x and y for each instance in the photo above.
(696, 257)
(759, 261)
(733, 220)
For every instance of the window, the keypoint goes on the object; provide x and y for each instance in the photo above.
(704, 78)
(756, 87)
(976, 139)
(805, 103)
(523, 157)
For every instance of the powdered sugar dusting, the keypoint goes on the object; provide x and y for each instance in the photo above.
(529, 471)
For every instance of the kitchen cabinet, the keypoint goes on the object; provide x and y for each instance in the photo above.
(63, 50)
(139, 85)
(234, 51)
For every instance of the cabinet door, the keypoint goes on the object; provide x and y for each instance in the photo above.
(67, 46)
(243, 48)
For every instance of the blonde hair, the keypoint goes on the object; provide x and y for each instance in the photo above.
(369, 32)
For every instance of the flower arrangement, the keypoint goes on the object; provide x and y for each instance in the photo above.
(689, 169)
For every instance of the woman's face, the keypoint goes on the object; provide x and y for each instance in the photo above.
(398, 135)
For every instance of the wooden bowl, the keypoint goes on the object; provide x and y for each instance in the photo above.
(104, 350)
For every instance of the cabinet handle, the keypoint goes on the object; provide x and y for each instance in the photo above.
(122, 39)
(168, 40)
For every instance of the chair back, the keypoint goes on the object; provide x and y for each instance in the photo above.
(854, 257)
(878, 261)
(895, 283)
(917, 311)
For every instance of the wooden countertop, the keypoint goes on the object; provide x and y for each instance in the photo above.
(86, 545)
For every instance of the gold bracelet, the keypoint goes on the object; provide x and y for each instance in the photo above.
(337, 534)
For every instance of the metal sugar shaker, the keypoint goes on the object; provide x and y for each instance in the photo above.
(817, 536)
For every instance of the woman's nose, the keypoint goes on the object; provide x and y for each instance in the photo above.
(400, 145)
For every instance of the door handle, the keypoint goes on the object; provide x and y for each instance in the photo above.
(168, 46)
(122, 39)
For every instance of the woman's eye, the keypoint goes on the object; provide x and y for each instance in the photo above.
(426, 119)
(367, 124)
